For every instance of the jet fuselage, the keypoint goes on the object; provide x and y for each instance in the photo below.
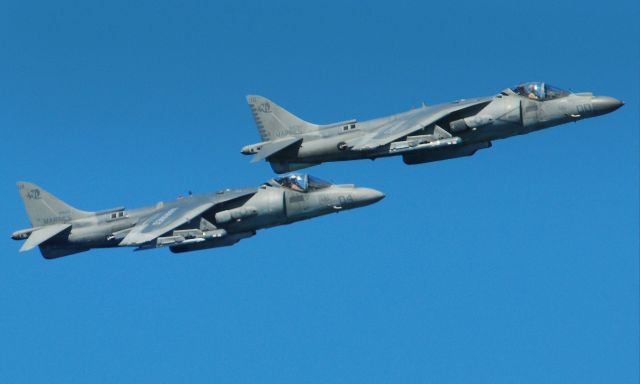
(188, 223)
(426, 134)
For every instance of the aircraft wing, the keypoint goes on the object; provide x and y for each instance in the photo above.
(274, 147)
(42, 234)
(405, 126)
(174, 215)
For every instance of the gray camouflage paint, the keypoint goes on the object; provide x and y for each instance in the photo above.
(186, 224)
(421, 135)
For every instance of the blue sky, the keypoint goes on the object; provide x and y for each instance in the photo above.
(519, 264)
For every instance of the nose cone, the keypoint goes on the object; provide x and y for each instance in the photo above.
(366, 196)
(605, 104)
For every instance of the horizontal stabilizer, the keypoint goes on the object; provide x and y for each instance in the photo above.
(274, 147)
(42, 234)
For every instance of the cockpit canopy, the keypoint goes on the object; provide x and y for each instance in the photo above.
(301, 182)
(540, 91)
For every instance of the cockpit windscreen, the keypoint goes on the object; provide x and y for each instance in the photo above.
(540, 91)
(301, 182)
(315, 183)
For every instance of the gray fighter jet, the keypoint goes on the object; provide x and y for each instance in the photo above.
(421, 135)
(189, 223)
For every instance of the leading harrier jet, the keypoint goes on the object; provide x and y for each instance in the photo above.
(430, 133)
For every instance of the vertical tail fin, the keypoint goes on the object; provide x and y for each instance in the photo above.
(275, 122)
(45, 209)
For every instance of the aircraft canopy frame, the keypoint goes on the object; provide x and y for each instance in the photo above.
(301, 182)
(540, 91)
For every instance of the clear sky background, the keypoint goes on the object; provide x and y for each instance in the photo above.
(516, 265)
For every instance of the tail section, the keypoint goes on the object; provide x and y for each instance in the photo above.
(45, 209)
(275, 122)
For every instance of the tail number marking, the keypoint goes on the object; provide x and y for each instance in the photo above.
(33, 194)
(264, 108)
